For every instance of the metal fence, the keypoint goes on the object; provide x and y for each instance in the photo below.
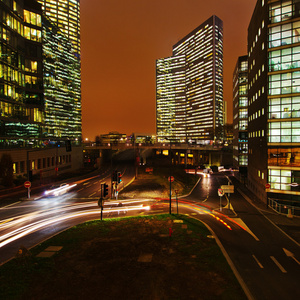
(283, 208)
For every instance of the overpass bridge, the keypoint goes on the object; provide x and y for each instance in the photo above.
(188, 154)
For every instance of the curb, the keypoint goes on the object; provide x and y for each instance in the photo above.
(229, 261)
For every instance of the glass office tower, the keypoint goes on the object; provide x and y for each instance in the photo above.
(199, 108)
(61, 86)
(65, 14)
(274, 99)
(62, 69)
(170, 97)
(21, 74)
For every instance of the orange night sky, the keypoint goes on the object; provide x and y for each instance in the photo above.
(120, 42)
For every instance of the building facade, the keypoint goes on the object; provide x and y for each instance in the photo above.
(62, 69)
(274, 100)
(40, 84)
(190, 86)
(240, 115)
(21, 74)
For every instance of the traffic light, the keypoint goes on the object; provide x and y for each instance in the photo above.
(119, 177)
(105, 189)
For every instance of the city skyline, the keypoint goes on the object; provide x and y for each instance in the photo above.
(118, 66)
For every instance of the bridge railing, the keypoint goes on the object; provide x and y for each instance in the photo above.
(284, 209)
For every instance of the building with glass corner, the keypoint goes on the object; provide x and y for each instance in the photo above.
(40, 87)
(191, 95)
(21, 74)
(274, 101)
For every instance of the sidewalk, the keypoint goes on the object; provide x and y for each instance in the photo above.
(291, 226)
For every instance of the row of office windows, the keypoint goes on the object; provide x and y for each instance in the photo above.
(32, 18)
(41, 163)
(284, 34)
(284, 59)
(285, 83)
(288, 107)
(257, 114)
(22, 113)
(16, 25)
(289, 157)
(33, 34)
(284, 132)
(280, 11)
(283, 179)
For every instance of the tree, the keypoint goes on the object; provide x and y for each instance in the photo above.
(6, 170)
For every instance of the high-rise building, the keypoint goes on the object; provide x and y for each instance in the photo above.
(240, 115)
(62, 69)
(274, 100)
(62, 91)
(65, 15)
(170, 87)
(189, 97)
(40, 85)
(21, 74)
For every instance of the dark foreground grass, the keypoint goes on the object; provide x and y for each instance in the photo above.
(130, 258)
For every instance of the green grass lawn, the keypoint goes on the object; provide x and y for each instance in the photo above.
(130, 258)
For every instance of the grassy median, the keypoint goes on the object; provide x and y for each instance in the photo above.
(130, 258)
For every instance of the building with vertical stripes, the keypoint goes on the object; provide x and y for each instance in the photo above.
(189, 86)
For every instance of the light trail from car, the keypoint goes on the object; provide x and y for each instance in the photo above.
(32, 222)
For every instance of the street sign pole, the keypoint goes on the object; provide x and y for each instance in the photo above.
(27, 184)
(221, 193)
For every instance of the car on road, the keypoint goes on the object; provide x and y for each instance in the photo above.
(58, 189)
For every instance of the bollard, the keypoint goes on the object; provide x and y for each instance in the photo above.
(289, 215)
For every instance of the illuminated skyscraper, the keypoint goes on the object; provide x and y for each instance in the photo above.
(21, 74)
(170, 87)
(195, 77)
(62, 70)
(61, 86)
(65, 14)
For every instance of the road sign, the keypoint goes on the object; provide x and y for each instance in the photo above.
(228, 189)
(171, 178)
(220, 192)
(27, 184)
(268, 185)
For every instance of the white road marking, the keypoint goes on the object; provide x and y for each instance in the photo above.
(290, 254)
(257, 261)
(278, 265)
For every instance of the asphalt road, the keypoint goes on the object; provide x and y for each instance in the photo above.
(264, 259)
(267, 261)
